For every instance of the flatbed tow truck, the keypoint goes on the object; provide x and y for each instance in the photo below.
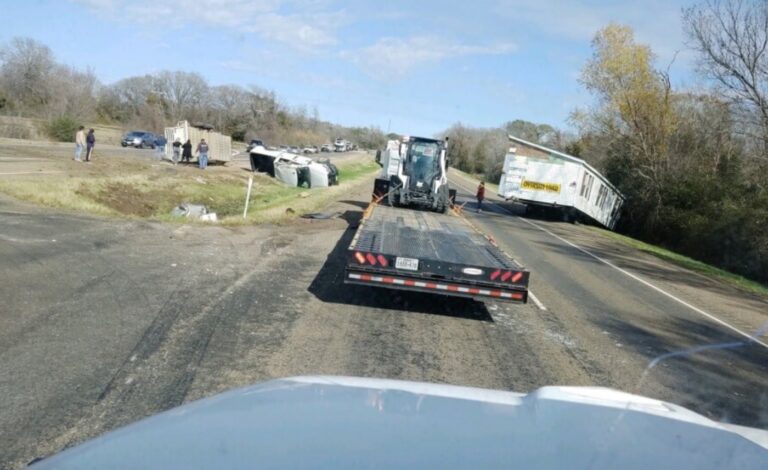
(424, 248)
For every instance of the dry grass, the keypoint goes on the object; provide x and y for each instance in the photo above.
(133, 188)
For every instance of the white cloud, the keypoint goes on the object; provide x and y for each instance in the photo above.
(310, 29)
(292, 29)
(656, 22)
(396, 57)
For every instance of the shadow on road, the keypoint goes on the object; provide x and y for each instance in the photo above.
(726, 385)
(328, 286)
(360, 204)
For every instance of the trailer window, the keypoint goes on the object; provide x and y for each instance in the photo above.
(601, 193)
(586, 186)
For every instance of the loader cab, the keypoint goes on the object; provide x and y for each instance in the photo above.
(422, 164)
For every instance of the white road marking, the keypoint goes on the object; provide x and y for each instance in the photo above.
(637, 278)
(644, 282)
(537, 301)
(531, 295)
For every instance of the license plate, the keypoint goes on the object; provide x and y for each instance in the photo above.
(410, 264)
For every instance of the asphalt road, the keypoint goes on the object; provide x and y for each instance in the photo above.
(619, 311)
(105, 322)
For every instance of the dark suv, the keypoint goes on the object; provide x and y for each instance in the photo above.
(139, 139)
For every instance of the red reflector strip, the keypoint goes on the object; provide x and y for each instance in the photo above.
(495, 274)
(382, 261)
(517, 276)
(436, 286)
(506, 276)
(359, 257)
(371, 259)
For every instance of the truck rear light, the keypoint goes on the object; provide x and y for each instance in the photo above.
(506, 276)
(516, 277)
(359, 257)
(371, 259)
(495, 274)
(382, 261)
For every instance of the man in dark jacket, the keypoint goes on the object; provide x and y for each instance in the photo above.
(186, 151)
(90, 142)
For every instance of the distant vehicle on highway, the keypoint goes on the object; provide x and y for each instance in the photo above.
(139, 140)
(340, 145)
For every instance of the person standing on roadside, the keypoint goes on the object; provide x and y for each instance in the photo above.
(186, 153)
(202, 154)
(480, 196)
(176, 151)
(79, 143)
(90, 141)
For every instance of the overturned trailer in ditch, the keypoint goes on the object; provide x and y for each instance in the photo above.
(547, 180)
(294, 170)
(219, 145)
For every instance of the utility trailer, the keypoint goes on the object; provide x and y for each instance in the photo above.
(219, 145)
(425, 251)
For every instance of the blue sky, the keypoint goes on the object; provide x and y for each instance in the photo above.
(415, 67)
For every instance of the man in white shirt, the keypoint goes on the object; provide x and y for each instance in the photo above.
(79, 143)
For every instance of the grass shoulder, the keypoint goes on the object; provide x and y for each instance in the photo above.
(688, 263)
(130, 188)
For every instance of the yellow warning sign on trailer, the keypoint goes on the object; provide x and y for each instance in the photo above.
(536, 186)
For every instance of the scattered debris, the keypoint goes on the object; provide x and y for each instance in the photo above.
(304, 194)
(290, 211)
(194, 211)
(320, 215)
(200, 180)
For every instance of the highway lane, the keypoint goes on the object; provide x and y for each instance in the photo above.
(618, 325)
(107, 321)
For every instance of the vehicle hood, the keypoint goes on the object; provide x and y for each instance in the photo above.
(333, 422)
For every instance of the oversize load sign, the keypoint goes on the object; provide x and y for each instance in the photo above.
(536, 186)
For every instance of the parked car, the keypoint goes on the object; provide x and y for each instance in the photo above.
(295, 150)
(255, 143)
(139, 140)
(326, 148)
(310, 149)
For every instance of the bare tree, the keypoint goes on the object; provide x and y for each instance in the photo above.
(27, 70)
(184, 93)
(731, 37)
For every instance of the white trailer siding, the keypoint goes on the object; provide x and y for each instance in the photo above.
(538, 181)
(536, 175)
(219, 145)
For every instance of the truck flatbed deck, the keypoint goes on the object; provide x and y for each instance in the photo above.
(431, 252)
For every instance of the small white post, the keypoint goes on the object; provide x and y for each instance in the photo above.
(248, 196)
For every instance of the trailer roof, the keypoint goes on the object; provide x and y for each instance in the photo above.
(567, 157)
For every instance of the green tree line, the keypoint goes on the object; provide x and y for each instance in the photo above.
(693, 164)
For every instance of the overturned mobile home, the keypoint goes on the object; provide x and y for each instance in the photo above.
(548, 180)
(294, 170)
